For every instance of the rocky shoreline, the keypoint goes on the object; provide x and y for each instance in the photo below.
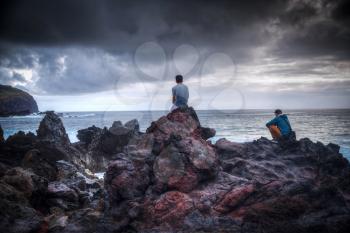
(168, 179)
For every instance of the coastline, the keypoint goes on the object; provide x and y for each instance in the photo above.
(231, 124)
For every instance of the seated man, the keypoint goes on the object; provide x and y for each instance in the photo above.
(279, 126)
(180, 93)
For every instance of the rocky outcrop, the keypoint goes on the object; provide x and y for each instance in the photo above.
(14, 102)
(193, 186)
(99, 146)
(169, 179)
(51, 129)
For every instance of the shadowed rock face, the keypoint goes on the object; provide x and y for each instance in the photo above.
(51, 129)
(14, 102)
(99, 146)
(169, 179)
(1, 135)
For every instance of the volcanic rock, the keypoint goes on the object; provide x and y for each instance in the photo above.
(16, 146)
(86, 135)
(40, 164)
(1, 136)
(170, 179)
(101, 145)
(51, 129)
(258, 186)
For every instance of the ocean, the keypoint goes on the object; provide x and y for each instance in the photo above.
(326, 126)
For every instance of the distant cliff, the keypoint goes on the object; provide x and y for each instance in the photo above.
(14, 101)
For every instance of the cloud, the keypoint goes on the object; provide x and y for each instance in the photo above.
(80, 47)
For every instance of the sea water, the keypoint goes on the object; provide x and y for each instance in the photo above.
(326, 126)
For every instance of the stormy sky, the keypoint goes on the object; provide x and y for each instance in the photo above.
(76, 55)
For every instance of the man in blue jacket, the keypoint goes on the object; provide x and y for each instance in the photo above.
(282, 123)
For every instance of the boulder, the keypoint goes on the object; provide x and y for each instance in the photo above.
(170, 208)
(207, 133)
(51, 129)
(20, 191)
(172, 170)
(16, 146)
(82, 220)
(14, 102)
(86, 135)
(20, 180)
(39, 164)
(18, 218)
(62, 196)
(126, 179)
(133, 125)
(182, 122)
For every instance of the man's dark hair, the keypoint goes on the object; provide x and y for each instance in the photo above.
(278, 111)
(179, 78)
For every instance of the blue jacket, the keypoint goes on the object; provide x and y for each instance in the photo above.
(282, 123)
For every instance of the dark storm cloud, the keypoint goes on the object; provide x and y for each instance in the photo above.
(78, 46)
(316, 28)
(122, 25)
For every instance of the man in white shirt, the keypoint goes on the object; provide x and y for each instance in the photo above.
(180, 93)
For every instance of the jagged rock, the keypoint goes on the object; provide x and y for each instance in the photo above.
(2, 140)
(66, 170)
(86, 135)
(62, 196)
(185, 157)
(182, 122)
(14, 102)
(39, 164)
(207, 133)
(57, 223)
(231, 187)
(87, 187)
(170, 208)
(117, 124)
(171, 179)
(3, 169)
(133, 125)
(16, 146)
(31, 186)
(53, 142)
(102, 144)
(20, 190)
(83, 220)
(183, 165)
(20, 180)
(19, 218)
(126, 179)
(51, 129)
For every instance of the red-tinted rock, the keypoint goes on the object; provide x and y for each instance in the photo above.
(171, 179)
(126, 179)
(170, 209)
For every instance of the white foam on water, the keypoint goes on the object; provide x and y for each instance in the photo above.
(100, 175)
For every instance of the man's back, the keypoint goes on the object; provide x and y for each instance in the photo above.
(180, 91)
(282, 123)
